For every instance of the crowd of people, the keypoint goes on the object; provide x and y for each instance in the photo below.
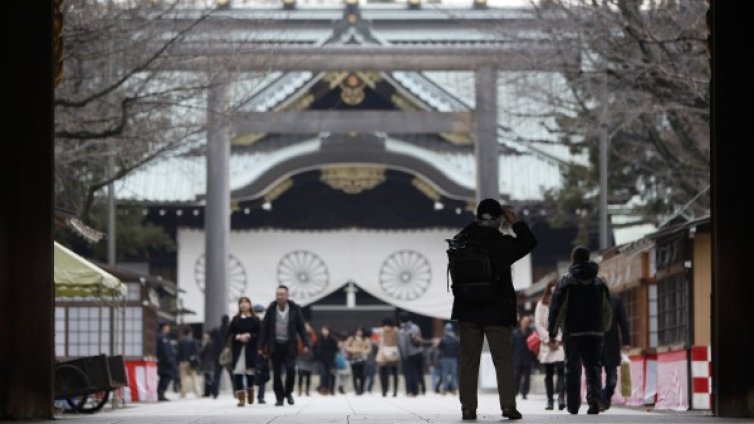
(284, 344)
(577, 322)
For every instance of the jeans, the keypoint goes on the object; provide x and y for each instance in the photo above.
(449, 374)
(243, 382)
(412, 368)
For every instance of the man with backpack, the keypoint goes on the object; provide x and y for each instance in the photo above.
(581, 307)
(485, 300)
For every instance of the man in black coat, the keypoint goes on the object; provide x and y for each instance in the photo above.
(283, 323)
(166, 364)
(581, 306)
(611, 359)
(219, 336)
(522, 356)
(495, 317)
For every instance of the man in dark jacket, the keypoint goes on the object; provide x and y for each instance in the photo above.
(166, 364)
(283, 323)
(611, 358)
(219, 336)
(581, 306)
(496, 317)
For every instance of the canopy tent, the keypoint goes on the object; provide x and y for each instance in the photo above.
(75, 276)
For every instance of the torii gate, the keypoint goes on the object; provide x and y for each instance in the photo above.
(482, 122)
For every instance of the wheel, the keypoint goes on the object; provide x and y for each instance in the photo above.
(89, 403)
(69, 379)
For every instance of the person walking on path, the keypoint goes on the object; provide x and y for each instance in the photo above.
(493, 316)
(283, 324)
(189, 363)
(581, 307)
(325, 349)
(167, 368)
(208, 359)
(219, 337)
(522, 357)
(450, 351)
(244, 334)
(551, 357)
(617, 340)
(388, 356)
(410, 344)
(358, 349)
(305, 362)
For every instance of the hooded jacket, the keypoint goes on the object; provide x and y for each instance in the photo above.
(581, 303)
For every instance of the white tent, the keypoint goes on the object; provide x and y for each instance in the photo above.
(75, 276)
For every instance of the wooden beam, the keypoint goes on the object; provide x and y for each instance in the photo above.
(311, 122)
(525, 56)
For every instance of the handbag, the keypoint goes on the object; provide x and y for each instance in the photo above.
(533, 342)
(262, 371)
(391, 353)
(226, 356)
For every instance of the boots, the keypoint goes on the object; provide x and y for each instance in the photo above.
(250, 395)
(241, 396)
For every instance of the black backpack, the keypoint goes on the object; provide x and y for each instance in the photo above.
(470, 268)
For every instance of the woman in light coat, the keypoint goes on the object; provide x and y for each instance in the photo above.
(552, 359)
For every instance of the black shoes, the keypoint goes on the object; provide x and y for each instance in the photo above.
(279, 402)
(561, 406)
(550, 406)
(290, 399)
(261, 401)
(594, 409)
(512, 414)
(468, 415)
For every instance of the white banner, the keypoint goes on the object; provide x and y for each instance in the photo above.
(406, 269)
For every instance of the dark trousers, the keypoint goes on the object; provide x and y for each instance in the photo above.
(586, 350)
(304, 376)
(412, 368)
(260, 390)
(550, 370)
(162, 385)
(472, 340)
(326, 380)
(420, 374)
(369, 372)
(611, 380)
(243, 382)
(385, 372)
(521, 377)
(215, 389)
(283, 361)
(358, 374)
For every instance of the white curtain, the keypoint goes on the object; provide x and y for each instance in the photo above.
(404, 268)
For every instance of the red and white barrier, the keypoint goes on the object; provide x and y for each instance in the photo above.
(142, 381)
(672, 381)
(701, 377)
(643, 370)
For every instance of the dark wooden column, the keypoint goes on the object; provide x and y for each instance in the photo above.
(732, 217)
(26, 179)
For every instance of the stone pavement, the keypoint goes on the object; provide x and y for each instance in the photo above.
(366, 409)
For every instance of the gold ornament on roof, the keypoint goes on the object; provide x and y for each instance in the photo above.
(353, 179)
(352, 90)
